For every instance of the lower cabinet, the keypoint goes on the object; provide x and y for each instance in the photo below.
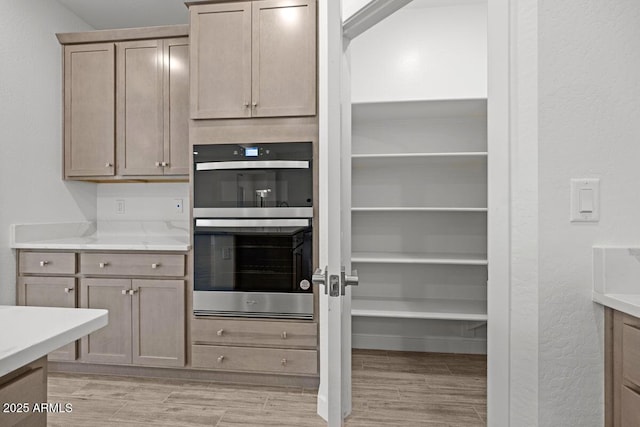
(23, 388)
(146, 321)
(622, 370)
(50, 292)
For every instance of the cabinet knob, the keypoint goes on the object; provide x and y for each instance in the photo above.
(125, 292)
(133, 292)
(103, 264)
(283, 362)
(220, 359)
(220, 332)
(165, 164)
(158, 164)
(246, 105)
(284, 335)
(108, 165)
(68, 290)
(43, 263)
(155, 265)
(255, 104)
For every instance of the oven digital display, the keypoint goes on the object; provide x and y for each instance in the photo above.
(251, 152)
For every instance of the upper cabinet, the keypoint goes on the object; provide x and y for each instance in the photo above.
(126, 104)
(89, 110)
(253, 59)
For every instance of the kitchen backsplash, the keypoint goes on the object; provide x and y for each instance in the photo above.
(143, 202)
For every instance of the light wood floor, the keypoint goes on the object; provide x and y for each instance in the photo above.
(389, 389)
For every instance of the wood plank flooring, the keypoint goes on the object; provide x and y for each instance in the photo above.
(389, 389)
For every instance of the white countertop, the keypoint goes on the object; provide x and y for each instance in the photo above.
(616, 278)
(130, 235)
(28, 333)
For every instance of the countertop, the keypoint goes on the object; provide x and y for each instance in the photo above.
(130, 235)
(616, 278)
(28, 333)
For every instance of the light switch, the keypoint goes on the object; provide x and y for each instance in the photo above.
(585, 200)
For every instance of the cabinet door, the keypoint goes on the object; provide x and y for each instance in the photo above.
(111, 344)
(284, 58)
(158, 322)
(50, 292)
(176, 106)
(89, 110)
(220, 56)
(140, 108)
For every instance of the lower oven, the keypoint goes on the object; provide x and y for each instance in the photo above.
(253, 267)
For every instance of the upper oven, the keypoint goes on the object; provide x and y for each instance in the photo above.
(273, 180)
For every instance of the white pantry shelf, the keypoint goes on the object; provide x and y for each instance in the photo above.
(434, 309)
(393, 110)
(452, 155)
(415, 209)
(415, 258)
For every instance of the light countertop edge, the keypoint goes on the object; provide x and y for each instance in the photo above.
(625, 303)
(92, 320)
(178, 247)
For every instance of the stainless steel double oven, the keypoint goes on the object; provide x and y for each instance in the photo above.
(253, 213)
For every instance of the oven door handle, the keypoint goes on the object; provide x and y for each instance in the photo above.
(261, 164)
(233, 223)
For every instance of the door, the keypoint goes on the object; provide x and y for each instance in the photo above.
(140, 108)
(50, 292)
(283, 58)
(176, 106)
(158, 322)
(220, 55)
(334, 394)
(89, 109)
(111, 344)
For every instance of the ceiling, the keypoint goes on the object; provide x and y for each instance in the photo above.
(102, 15)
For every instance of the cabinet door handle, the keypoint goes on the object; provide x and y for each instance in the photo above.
(132, 292)
(108, 165)
(220, 359)
(43, 263)
(255, 104)
(284, 335)
(158, 164)
(155, 265)
(283, 362)
(125, 292)
(68, 290)
(164, 164)
(220, 332)
(246, 105)
(103, 264)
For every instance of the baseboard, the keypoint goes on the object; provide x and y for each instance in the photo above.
(427, 344)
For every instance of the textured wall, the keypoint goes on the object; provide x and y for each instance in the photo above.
(31, 187)
(589, 111)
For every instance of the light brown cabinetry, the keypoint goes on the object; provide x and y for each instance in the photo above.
(24, 387)
(126, 104)
(47, 279)
(89, 110)
(622, 369)
(152, 91)
(253, 59)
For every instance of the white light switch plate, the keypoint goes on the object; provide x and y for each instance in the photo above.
(585, 200)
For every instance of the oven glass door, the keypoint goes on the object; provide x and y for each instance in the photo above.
(271, 256)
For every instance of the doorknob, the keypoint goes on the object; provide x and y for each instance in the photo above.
(320, 277)
(349, 279)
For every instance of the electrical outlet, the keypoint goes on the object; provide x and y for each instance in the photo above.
(177, 206)
(120, 206)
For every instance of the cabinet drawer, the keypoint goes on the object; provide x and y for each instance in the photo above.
(631, 354)
(273, 360)
(30, 387)
(47, 262)
(254, 332)
(156, 265)
(630, 408)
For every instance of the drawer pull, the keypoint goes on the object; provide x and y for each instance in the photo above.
(220, 332)
(284, 335)
(133, 292)
(283, 362)
(155, 265)
(125, 292)
(68, 290)
(43, 263)
(103, 264)
(220, 359)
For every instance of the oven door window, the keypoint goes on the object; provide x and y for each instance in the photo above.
(252, 261)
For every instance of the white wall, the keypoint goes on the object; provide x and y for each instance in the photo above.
(589, 126)
(31, 185)
(422, 52)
